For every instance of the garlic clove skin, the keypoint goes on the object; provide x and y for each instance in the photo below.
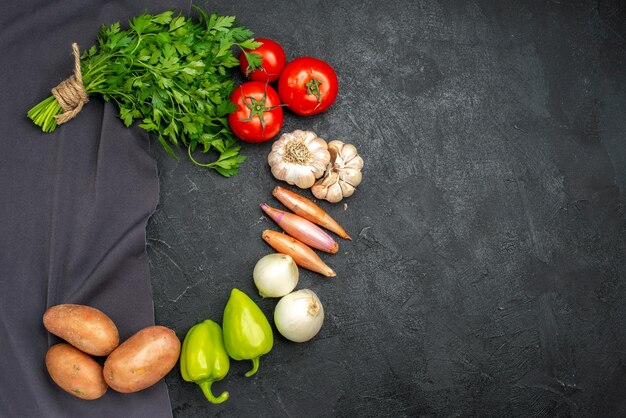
(356, 163)
(275, 157)
(346, 151)
(319, 191)
(321, 156)
(320, 188)
(346, 189)
(349, 153)
(335, 193)
(328, 188)
(307, 136)
(301, 177)
(320, 164)
(351, 176)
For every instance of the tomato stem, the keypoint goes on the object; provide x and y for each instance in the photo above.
(257, 107)
(313, 87)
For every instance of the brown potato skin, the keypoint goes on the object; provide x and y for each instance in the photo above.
(84, 327)
(142, 360)
(75, 372)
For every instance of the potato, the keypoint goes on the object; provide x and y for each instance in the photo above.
(142, 360)
(84, 327)
(75, 372)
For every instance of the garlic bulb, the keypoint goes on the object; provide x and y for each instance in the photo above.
(275, 275)
(299, 157)
(299, 315)
(343, 173)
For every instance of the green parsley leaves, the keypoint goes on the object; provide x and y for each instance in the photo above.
(173, 75)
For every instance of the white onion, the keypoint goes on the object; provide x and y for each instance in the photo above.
(275, 275)
(299, 315)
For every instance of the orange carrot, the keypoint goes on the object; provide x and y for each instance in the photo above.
(304, 207)
(304, 231)
(301, 253)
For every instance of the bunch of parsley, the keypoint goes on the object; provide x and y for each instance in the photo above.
(172, 73)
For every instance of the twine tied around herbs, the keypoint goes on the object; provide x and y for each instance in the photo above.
(70, 93)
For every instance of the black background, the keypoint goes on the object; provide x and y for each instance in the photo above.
(486, 274)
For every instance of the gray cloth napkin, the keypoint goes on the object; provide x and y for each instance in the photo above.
(73, 210)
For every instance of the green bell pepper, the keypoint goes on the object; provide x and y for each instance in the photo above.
(247, 333)
(204, 359)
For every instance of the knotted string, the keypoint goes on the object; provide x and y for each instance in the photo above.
(70, 93)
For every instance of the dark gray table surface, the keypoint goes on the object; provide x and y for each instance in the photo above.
(486, 276)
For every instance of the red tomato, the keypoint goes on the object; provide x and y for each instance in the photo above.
(273, 57)
(308, 86)
(259, 115)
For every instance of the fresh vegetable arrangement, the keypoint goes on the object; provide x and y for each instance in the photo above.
(308, 210)
(169, 72)
(302, 234)
(207, 349)
(173, 74)
(305, 231)
(332, 170)
(246, 333)
(306, 86)
(301, 253)
(136, 364)
(299, 315)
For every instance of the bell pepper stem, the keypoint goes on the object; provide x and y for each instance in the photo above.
(205, 385)
(255, 367)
